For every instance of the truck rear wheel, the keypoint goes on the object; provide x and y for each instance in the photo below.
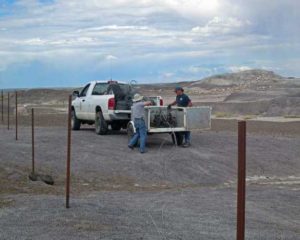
(75, 122)
(177, 138)
(101, 127)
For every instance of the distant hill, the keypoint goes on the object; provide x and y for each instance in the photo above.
(257, 92)
(251, 92)
(243, 78)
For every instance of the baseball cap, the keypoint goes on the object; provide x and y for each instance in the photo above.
(178, 89)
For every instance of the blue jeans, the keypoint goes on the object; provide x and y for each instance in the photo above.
(187, 137)
(141, 133)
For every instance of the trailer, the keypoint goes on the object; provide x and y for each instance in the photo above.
(175, 121)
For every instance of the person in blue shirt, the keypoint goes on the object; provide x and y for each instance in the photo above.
(182, 100)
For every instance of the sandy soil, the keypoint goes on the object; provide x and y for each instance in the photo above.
(168, 193)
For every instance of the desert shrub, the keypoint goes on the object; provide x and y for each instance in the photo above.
(223, 115)
(249, 116)
(292, 116)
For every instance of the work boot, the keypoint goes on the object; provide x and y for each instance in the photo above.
(131, 147)
(186, 145)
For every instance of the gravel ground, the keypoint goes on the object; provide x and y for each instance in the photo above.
(279, 126)
(168, 193)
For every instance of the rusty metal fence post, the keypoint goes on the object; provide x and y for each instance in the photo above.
(241, 184)
(2, 107)
(8, 110)
(32, 140)
(16, 95)
(68, 171)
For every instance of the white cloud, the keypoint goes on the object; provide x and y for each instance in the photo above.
(191, 32)
(196, 69)
(238, 68)
(221, 26)
(111, 57)
(194, 9)
(201, 71)
(168, 75)
(32, 41)
(112, 28)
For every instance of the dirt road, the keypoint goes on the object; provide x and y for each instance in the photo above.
(168, 193)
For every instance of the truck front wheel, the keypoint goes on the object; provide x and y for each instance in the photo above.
(101, 127)
(75, 122)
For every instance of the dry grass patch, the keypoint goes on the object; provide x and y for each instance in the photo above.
(249, 116)
(292, 116)
(223, 115)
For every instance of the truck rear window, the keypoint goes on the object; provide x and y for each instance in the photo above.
(102, 88)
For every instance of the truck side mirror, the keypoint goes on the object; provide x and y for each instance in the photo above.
(75, 94)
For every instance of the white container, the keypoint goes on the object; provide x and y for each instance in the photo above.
(185, 119)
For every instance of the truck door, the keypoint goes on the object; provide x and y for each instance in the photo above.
(83, 108)
(96, 98)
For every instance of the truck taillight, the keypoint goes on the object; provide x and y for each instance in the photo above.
(161, 102)
(111, 103)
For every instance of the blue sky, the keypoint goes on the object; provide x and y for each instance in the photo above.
(60, 43)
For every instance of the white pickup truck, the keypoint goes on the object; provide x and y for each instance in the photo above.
(104, 103)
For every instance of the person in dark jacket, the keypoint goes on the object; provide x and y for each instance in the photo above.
(183, 100)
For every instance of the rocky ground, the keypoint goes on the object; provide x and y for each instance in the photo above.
(168, 193)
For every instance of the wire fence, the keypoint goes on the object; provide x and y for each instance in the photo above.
(177, 192)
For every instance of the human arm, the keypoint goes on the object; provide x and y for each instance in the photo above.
(172, 104)
(148, 103)
(189, 101)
